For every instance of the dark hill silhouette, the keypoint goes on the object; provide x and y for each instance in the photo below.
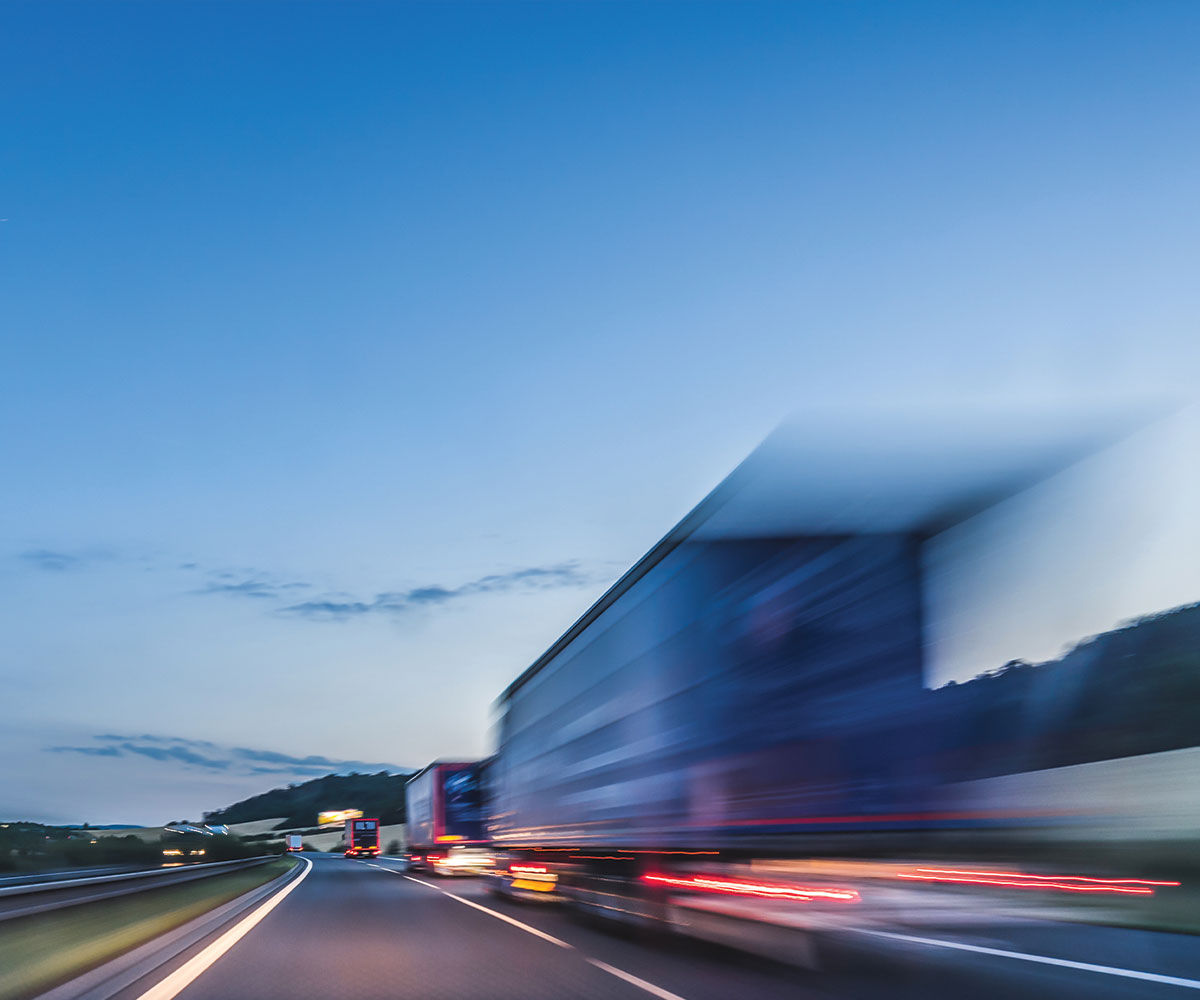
(1132, 690)
(380, 795)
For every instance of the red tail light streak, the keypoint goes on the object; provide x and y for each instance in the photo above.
(1023, 880)
(763, 890)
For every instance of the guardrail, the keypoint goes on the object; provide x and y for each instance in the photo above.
(72, 892)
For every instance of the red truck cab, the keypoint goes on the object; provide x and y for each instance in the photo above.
(362, 838)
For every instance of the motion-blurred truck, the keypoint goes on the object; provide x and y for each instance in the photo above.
(791, 675)
(362, 838)
(293, 842)
(445, 816)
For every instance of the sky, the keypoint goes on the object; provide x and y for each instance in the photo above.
(351, 350)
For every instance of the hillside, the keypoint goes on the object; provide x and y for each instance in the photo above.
(1130, 691)
(380, 795)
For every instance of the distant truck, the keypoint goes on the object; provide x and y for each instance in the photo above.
(445, 809)
(293, 842)
(362, 838)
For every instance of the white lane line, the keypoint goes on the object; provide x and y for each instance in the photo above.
(1108, 970)
(181, 978)
(650, 988)
(492, 913)
(612, 970)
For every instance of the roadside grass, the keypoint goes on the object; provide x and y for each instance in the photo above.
(39, 952)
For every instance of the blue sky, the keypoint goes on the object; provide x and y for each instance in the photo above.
(351, 350)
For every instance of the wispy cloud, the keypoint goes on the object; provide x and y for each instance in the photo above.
(568, 574)
(284, 595)
(209, 756)
(329, 610)
(60, 560)
(179, 753)
(251, 583)
(175, 753)
(277, 758)
(148, 738)
(307, 772)
(88, 751)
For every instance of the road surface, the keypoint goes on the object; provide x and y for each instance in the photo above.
(354, 930)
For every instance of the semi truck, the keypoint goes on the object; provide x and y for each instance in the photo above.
(726, 710)
(760, 706)
(362, 838)
(293, 842)
(445, 815)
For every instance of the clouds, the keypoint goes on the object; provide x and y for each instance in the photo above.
(253, 584)
(212, 757)
(330, 610)
(530, 578)
(157, 748)
(312, 766)
(280, 595)
(88, 751)
(61, 561)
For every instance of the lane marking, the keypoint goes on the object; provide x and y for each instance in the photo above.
(181, 978)
(650, 988)
(491, 913)
(662, 994)
(612, 970)
(1108, 970)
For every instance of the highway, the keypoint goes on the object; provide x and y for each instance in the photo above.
(354, 930)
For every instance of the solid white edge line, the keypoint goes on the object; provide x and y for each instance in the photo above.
(1108, 970)
(186, 974)
(612, 970)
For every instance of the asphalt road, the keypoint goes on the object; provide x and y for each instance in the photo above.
(366, 931)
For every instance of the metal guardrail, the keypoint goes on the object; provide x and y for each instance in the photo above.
(17, 890)
(73, 892)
